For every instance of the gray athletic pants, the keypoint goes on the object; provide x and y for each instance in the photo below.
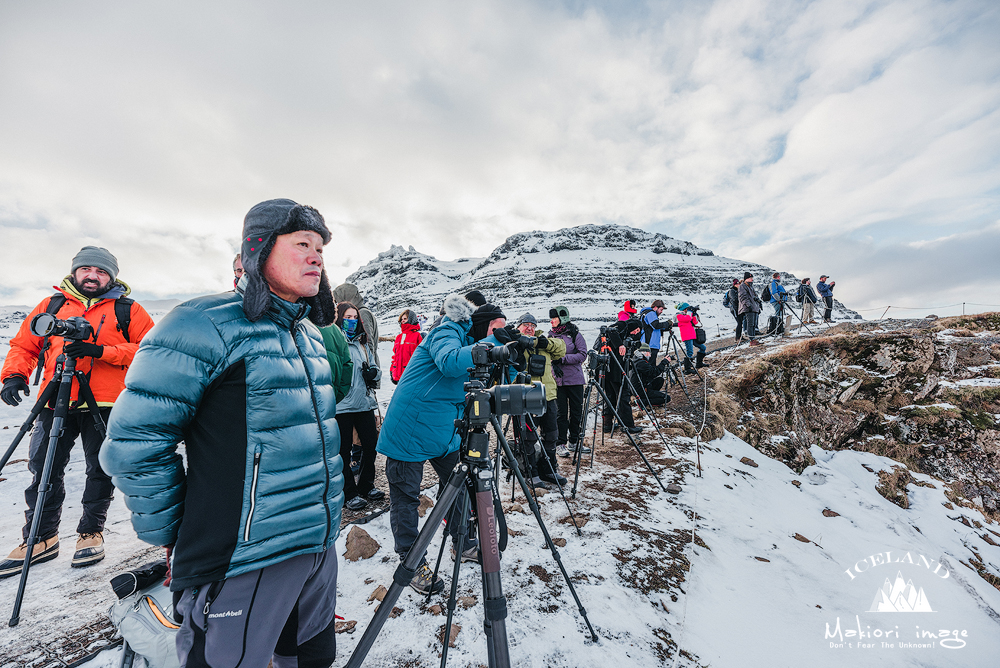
(284, 613)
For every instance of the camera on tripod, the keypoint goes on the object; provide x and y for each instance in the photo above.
(46, 324)
(483, 402)
(596, 360)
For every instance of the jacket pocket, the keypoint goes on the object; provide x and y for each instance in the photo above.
(254, 479)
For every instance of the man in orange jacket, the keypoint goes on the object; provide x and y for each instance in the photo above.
(91, 290)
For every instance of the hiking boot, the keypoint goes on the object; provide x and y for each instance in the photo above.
(423, 582)
(43, 551)
(562, 450)
(584, 450)
(89, 549)
(700, 363)
(754, 343)
(469, 555)
(537, 483)
(634, 430)
(357, 503)
(550, 478)
(375, 495)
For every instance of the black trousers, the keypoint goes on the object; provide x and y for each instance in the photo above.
(828, 312)
(612, 386)
(404, 500)
(364, 422)
(569, 400)
(98, 491)
(739, 325)
(750, 323)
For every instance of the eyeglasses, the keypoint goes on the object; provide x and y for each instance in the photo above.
(238, 272)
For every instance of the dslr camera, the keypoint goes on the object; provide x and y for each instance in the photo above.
(76, 328)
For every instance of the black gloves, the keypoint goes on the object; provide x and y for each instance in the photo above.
(11, 387)
(541, 342)
(78, 349)
(369, 373)
(503, 335)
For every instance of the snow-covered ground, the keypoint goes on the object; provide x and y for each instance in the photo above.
(774, 582)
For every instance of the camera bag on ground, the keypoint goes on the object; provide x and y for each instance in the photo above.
(144, 617)
(699, 336)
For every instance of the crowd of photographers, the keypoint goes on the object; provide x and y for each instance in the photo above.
(272, 389)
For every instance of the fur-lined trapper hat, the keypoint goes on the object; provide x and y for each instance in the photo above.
(262, 225)
(457, 308)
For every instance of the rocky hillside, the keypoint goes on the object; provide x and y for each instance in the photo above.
(925, 393)
(591, 269)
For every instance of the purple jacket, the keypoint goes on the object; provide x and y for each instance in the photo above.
(576, 354)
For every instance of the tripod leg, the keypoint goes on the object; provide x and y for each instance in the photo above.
(548, 541)
(408, 568)
(43, 399)
(577, 456)
(555, 476)
(636, 446)
(87, 397)
(494, 603)
(59, 416)
(651, 417)
(453, 596)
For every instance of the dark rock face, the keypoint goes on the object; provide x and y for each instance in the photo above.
(591, 269)
(922, 396)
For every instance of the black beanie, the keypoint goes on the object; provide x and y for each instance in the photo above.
(482, 317)
(476, 297)
(263, 224)
(747, 275)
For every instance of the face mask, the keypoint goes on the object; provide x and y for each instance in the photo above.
(350, 326)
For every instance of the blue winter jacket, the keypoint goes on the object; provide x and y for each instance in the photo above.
(824, 289)
(254, 405)
(420, 421)
(654, 337)
(776, 288)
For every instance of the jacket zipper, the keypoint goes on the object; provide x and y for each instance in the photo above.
(253, 495)
(319, 423)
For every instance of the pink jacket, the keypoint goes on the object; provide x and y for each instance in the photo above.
(687, 323)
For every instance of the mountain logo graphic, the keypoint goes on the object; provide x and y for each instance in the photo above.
(900, 596)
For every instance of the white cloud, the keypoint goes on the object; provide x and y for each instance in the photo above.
(150, 128)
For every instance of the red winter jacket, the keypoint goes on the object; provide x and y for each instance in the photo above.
(406, 342)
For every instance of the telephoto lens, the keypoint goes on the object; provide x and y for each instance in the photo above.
(519, 399)
(46, 324)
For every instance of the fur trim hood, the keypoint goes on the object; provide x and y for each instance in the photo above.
(457, 308)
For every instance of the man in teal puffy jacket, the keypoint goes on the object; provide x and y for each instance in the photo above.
(243, 379)
(419, 427)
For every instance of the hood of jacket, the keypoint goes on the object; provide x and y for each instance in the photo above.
(348, 292)
(457, 308)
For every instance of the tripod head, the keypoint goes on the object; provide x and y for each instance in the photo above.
(482, 403)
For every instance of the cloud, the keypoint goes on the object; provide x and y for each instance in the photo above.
(151, 128)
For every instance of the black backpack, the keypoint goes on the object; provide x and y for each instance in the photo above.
(765, 294)
(123, 314)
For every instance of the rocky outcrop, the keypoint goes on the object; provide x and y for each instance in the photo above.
(591, 269)
(925, 395)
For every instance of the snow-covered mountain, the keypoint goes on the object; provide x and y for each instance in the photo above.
(591, 269)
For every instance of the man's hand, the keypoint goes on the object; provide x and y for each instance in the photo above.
(10, 390)
(369, 374)
(541, 342)
(78, 349)
(503, 335)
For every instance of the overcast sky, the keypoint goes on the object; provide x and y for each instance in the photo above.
(858, 139)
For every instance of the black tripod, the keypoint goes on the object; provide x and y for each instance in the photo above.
(598, 370)
(474, 472)
(61, 386)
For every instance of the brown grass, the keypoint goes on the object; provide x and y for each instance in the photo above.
(892, 485)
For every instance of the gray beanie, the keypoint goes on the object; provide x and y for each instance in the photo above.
(263, 224)
(527, 317)
(94, 256)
